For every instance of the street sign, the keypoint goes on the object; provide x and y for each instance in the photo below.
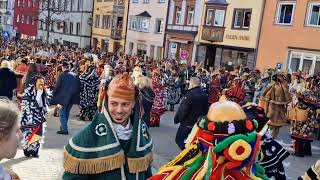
(174, 48)
(184, 54)
(279, 66)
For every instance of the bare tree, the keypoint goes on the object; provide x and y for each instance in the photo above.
(52, 11)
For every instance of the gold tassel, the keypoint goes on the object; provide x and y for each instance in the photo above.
(92, 166)
(141, 164)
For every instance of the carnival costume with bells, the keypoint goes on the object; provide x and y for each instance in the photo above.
(96, 152)
(222, 145)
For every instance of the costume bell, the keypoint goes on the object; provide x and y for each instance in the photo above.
(222, 145)
(107, 150)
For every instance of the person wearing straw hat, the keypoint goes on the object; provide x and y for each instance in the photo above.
(116, 144)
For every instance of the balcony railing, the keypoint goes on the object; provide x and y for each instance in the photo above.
(212, 33)
(188, 28)
(116, 34)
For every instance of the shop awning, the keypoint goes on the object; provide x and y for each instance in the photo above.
(144, 14)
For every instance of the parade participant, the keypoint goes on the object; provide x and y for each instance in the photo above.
(116, 144)
(248, 87)
(158, 106)
(276, 97)
(313, 173)
(147, 97)
(50, 77)
(136, 74)
(303, 115)
(8, 80)
(33, 71)
(221, 145)
(10, 135)
(34, 109)
(193, 105)
(273, 154)
(260, 86)
(89, 82)
(21, 71)
(214, 91)
(65, 94)
(236, 93)
(173, 92)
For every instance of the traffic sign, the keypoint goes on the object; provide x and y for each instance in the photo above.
(279, 66)
(184, 54)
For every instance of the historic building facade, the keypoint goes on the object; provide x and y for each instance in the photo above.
(70, 26)
(290, 36)
(183, 22)
(109, 25)
(25, 19)
(146, 28)
(229, 33)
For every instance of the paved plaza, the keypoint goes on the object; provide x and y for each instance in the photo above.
(49, 165)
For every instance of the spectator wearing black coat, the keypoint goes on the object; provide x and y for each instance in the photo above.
(193, 105)
(65, 94)
(147, 97)
(8, 80)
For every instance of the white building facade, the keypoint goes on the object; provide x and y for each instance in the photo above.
(6, 16)
(71, 27)
(146, 28)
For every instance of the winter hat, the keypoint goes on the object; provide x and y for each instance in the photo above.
(122, 87)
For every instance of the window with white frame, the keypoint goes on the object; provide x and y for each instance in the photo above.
(18, 18)
(139, 23)
(106, 21)
(146, 1)
(19, 2)
(219, 18)
(32, 20)
(285, 13)
(22, 19)
(33, 3)
(29, 3)
(242, 18)
(97, 21)
(162, 1)
(27, 19)
(133, 23)
(135, 1)
(159, 26)
(178, 15)
(209, 17)
(78, 28)
(190, 16)
(313, 18)
(145, 25)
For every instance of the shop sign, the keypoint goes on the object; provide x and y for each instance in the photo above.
(237, 37)
(174, 48)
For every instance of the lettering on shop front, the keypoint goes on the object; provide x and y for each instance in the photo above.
(237, 37)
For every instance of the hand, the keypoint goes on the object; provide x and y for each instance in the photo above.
(59, 106)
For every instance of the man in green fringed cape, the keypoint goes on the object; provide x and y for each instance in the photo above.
(116, 144)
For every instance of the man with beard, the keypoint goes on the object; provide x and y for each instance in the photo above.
(116, 144)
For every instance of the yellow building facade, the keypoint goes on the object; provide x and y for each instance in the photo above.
(109, 25)
(229, 33)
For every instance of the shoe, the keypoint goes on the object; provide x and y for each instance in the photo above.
(34, 154)
(26, 153)
(62, 132)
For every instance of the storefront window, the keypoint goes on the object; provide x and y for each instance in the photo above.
(234, 58)
(306, 66)
(294, 66)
